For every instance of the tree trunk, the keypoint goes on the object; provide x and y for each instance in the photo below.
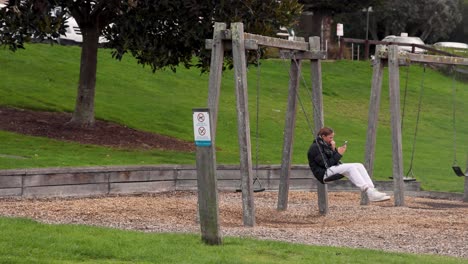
(83, 116)
(327, 37)
(373, 29)
(310, 25)
(318, 24)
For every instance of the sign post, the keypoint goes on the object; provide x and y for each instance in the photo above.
(206, 184)
(339, 32)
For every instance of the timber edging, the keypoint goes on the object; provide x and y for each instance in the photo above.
(113, 180)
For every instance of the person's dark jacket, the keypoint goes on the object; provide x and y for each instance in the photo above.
(317, 160)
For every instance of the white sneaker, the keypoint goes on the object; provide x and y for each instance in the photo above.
(376, 196)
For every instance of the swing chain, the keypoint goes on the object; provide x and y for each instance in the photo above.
(455, 163)
(458, 171)
(306, 85)
(257, 144)
(404, 96)
(332, 177)
(299, 98)
(257, 114)
(410, 171)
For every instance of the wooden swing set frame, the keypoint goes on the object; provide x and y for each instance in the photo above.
(391, 57)
(239, 42)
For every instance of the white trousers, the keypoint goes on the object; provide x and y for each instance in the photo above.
(355, 172)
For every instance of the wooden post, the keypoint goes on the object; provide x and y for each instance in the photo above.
(214, 85)
(206, 184)
(342, 46)
(317, 101)
(366, 49)
(376, 90)
(397, 152)
(240, 77)
(290, 123)
(465, 194)
(216, 70)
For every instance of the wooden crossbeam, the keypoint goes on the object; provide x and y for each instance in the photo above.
(303, 55)
(425, 58)
(249, 44)
(278, 42)
(436, 59)
(252, 41)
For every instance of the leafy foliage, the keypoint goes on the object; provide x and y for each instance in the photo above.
(22, 20)
(330, 6)
(429, 19)
(181, 27)
(158, 33)
(323, 14)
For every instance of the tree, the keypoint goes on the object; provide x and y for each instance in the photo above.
(323, 12)
(429, 19)
(158, 33)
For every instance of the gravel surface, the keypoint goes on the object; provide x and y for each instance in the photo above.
(424, 225)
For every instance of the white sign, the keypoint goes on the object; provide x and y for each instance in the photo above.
(339, 30)
(201, 129)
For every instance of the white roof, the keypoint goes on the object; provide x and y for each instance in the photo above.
(447, 44)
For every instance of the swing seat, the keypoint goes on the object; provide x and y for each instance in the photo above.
(261, 189)
(258, 189)
(406, 178)
(458, 171)
(332, 178)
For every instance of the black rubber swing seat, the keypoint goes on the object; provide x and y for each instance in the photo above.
(333, 178)
(258, 189)
(458, 171)
(406, 179)
(330, 179)
(255, 190)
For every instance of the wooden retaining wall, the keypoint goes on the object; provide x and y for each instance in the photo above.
(90, 181)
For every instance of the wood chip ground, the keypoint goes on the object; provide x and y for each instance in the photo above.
(423, 225)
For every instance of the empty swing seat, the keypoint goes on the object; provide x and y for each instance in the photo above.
(260, 188)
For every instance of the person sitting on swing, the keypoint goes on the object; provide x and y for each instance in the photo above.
(324, 161)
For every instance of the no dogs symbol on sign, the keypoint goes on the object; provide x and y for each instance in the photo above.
(201, 128)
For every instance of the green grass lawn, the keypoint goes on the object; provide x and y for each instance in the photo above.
(26, 241)
(46, 77)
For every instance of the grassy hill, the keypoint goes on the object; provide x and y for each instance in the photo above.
(45, 77)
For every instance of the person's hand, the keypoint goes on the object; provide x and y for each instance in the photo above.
(333, 144)
(342, 149)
